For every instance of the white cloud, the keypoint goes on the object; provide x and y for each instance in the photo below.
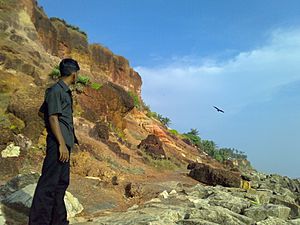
(247, 78)
(257, 89)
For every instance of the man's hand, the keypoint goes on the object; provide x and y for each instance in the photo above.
(63, 153)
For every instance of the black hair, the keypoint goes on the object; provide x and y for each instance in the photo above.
(68, 66)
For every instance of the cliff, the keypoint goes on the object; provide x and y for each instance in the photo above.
(45, 41)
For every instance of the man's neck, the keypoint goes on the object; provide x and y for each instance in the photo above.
(66, 81)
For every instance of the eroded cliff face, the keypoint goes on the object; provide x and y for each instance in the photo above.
(56, 38)
(31, 45)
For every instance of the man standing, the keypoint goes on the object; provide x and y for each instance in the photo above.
(48, 205)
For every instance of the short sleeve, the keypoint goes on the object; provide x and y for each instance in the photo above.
(53, 102)
(43, 107)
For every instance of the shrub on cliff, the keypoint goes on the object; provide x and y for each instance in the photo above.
(160, 164)
(164, 120)
(145, 107)
(69, 25)
(55, 73)
(173, 131)
(96, 85)
(193, 136)
(135, 99)
(83, 79)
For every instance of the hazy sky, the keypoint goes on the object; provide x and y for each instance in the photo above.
(242, 56)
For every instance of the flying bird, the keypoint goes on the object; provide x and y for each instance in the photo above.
(219, 110)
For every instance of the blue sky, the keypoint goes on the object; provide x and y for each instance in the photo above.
(242, 56)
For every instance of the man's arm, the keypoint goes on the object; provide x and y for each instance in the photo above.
(42, 110)
(54, 124)
(54, 107)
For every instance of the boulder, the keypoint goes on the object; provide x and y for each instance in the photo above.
(11, 151)
(273, 221)
(18, 192)
(214, 176)
(114, 146)
(262, 212)
(2, 218)
(153, 146)
(226, 200)
(281, 200)
(17, 182)
(24, 142)
(21, 201)
(100, 132)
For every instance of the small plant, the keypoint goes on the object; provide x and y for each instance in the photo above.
(135, 99)
(152, 114)
(83, 79)
(69, 25)
(96, 86)
(145, 107)
(159, 164)
(117, 131)
(175, 132)
(130, 170)
(164, 120)
(55, 73)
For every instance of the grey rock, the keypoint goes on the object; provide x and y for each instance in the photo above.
(274, 221)
(295, 221)
(18, 182)
(228, 201)
(11, 151)
(280, 200)
(262, 212)
(21, 201)
(195, 222)
(2, 218)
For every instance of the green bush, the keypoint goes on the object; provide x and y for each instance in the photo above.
(69, 25)
(209, 147)
(83, 79)
(172, 131)
(117, 131)
(96, 86)
(159, 164)
(193, 136)
(152, 114)
(164, 120)
(55, 73)
(115, 165)
(135, 99)
(144, 106)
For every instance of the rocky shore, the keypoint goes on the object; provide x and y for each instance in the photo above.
(272, 200)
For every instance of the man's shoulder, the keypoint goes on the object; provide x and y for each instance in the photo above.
(53, 88)
(53, 91)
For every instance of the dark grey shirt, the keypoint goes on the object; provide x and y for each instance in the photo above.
(58, 100)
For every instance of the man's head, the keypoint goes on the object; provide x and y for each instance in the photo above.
(68, 69)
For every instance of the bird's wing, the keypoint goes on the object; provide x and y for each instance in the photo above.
(219, 110)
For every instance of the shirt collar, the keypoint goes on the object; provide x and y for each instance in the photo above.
(63, 85)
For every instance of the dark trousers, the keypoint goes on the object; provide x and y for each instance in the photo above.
(48, 207)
